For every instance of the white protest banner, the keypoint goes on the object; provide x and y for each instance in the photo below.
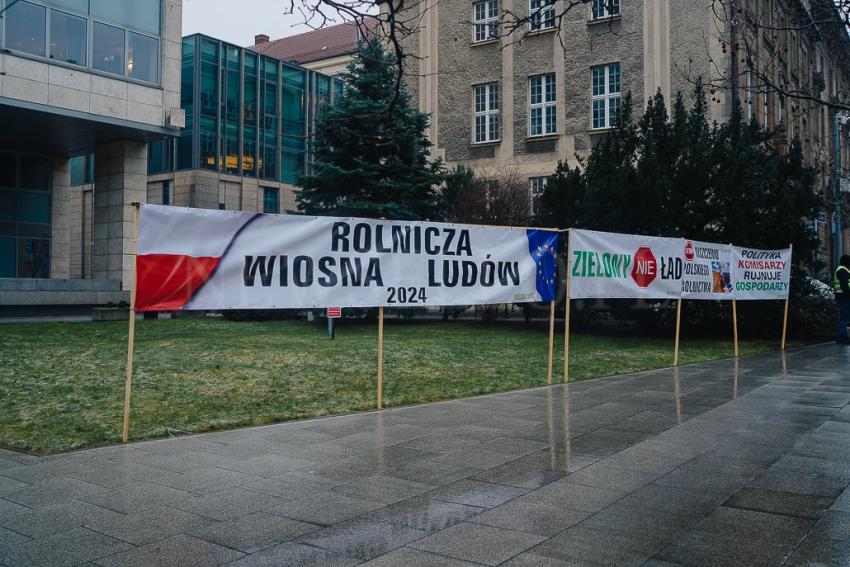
(608, 265)
(707, 272)
(210, 259)
(761, 274)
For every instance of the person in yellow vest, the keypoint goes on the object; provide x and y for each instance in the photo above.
(841, 284)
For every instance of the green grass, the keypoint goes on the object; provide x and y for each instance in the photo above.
(61, 385)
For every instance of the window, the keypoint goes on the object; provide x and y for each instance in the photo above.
(293, 111)
(604, 9)
(485, 20)
(24, 216)
(108, 49)
(249, 151)
(487, 119)
(323, 91)
(292, 158)
(143, 58)
(339, 87)
(143, 15)
(605, 95)
(543, 106)
(271, 202)
(166, 192)
(67, 38)
(82, 170)
(541, 14)
(537, 185)
(25, 28)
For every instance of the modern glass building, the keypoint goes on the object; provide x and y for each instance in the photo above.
(92, 78)
(248, 125)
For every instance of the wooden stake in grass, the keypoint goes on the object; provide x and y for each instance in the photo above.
(678, 327)
(567, 314)
(128, 384)
(551, 340)
(787, 299)
(735, 322)
(380, 355)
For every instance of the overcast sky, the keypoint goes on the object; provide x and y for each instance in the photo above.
(238, 21)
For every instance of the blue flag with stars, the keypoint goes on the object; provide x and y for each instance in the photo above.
(543, 247)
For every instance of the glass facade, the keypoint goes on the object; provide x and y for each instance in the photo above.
(106, 36)
(246, 114)
(24, 216)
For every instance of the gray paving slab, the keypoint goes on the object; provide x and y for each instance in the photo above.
(537, 519)
(362, 538)
(294, 554)
(723, 463)
(64, 515)
(148, 526)
(785, 503)
(481, 544)
(71, 547)
(177, 551)
(416, 558)
(252, 532)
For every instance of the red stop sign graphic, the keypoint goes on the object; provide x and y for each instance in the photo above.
(645, 267)
(689, 251)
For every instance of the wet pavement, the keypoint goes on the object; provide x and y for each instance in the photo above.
(723, 463)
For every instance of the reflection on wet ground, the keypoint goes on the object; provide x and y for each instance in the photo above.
(734, 462)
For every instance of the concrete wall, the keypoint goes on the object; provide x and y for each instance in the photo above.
(332, 66)
(120, 180)
(60, 212)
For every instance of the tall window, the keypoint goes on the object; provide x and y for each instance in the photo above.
(487, 119)
(25, 28)
(166, 192)
(24, 216)
(541, 14)
(108, 49)
(605, 96)
(271, 202)
(485, 19)
(67, 38)
(543, 106)
(604, 9)
(537, 185)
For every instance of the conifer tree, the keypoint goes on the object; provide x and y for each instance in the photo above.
(371, 157)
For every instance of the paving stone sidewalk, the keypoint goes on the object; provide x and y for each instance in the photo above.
(722, 463)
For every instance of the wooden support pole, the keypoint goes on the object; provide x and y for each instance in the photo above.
(735, 323)
(787, 300)
(551, 340)
(567, 314)
(380, 356)
(131, 338)
(678, 327)
(735, 326)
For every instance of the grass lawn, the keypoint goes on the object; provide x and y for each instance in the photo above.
(61, 385)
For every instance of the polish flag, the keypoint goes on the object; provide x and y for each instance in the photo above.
(172, 267)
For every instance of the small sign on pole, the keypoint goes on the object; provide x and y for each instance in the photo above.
(333, 313)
